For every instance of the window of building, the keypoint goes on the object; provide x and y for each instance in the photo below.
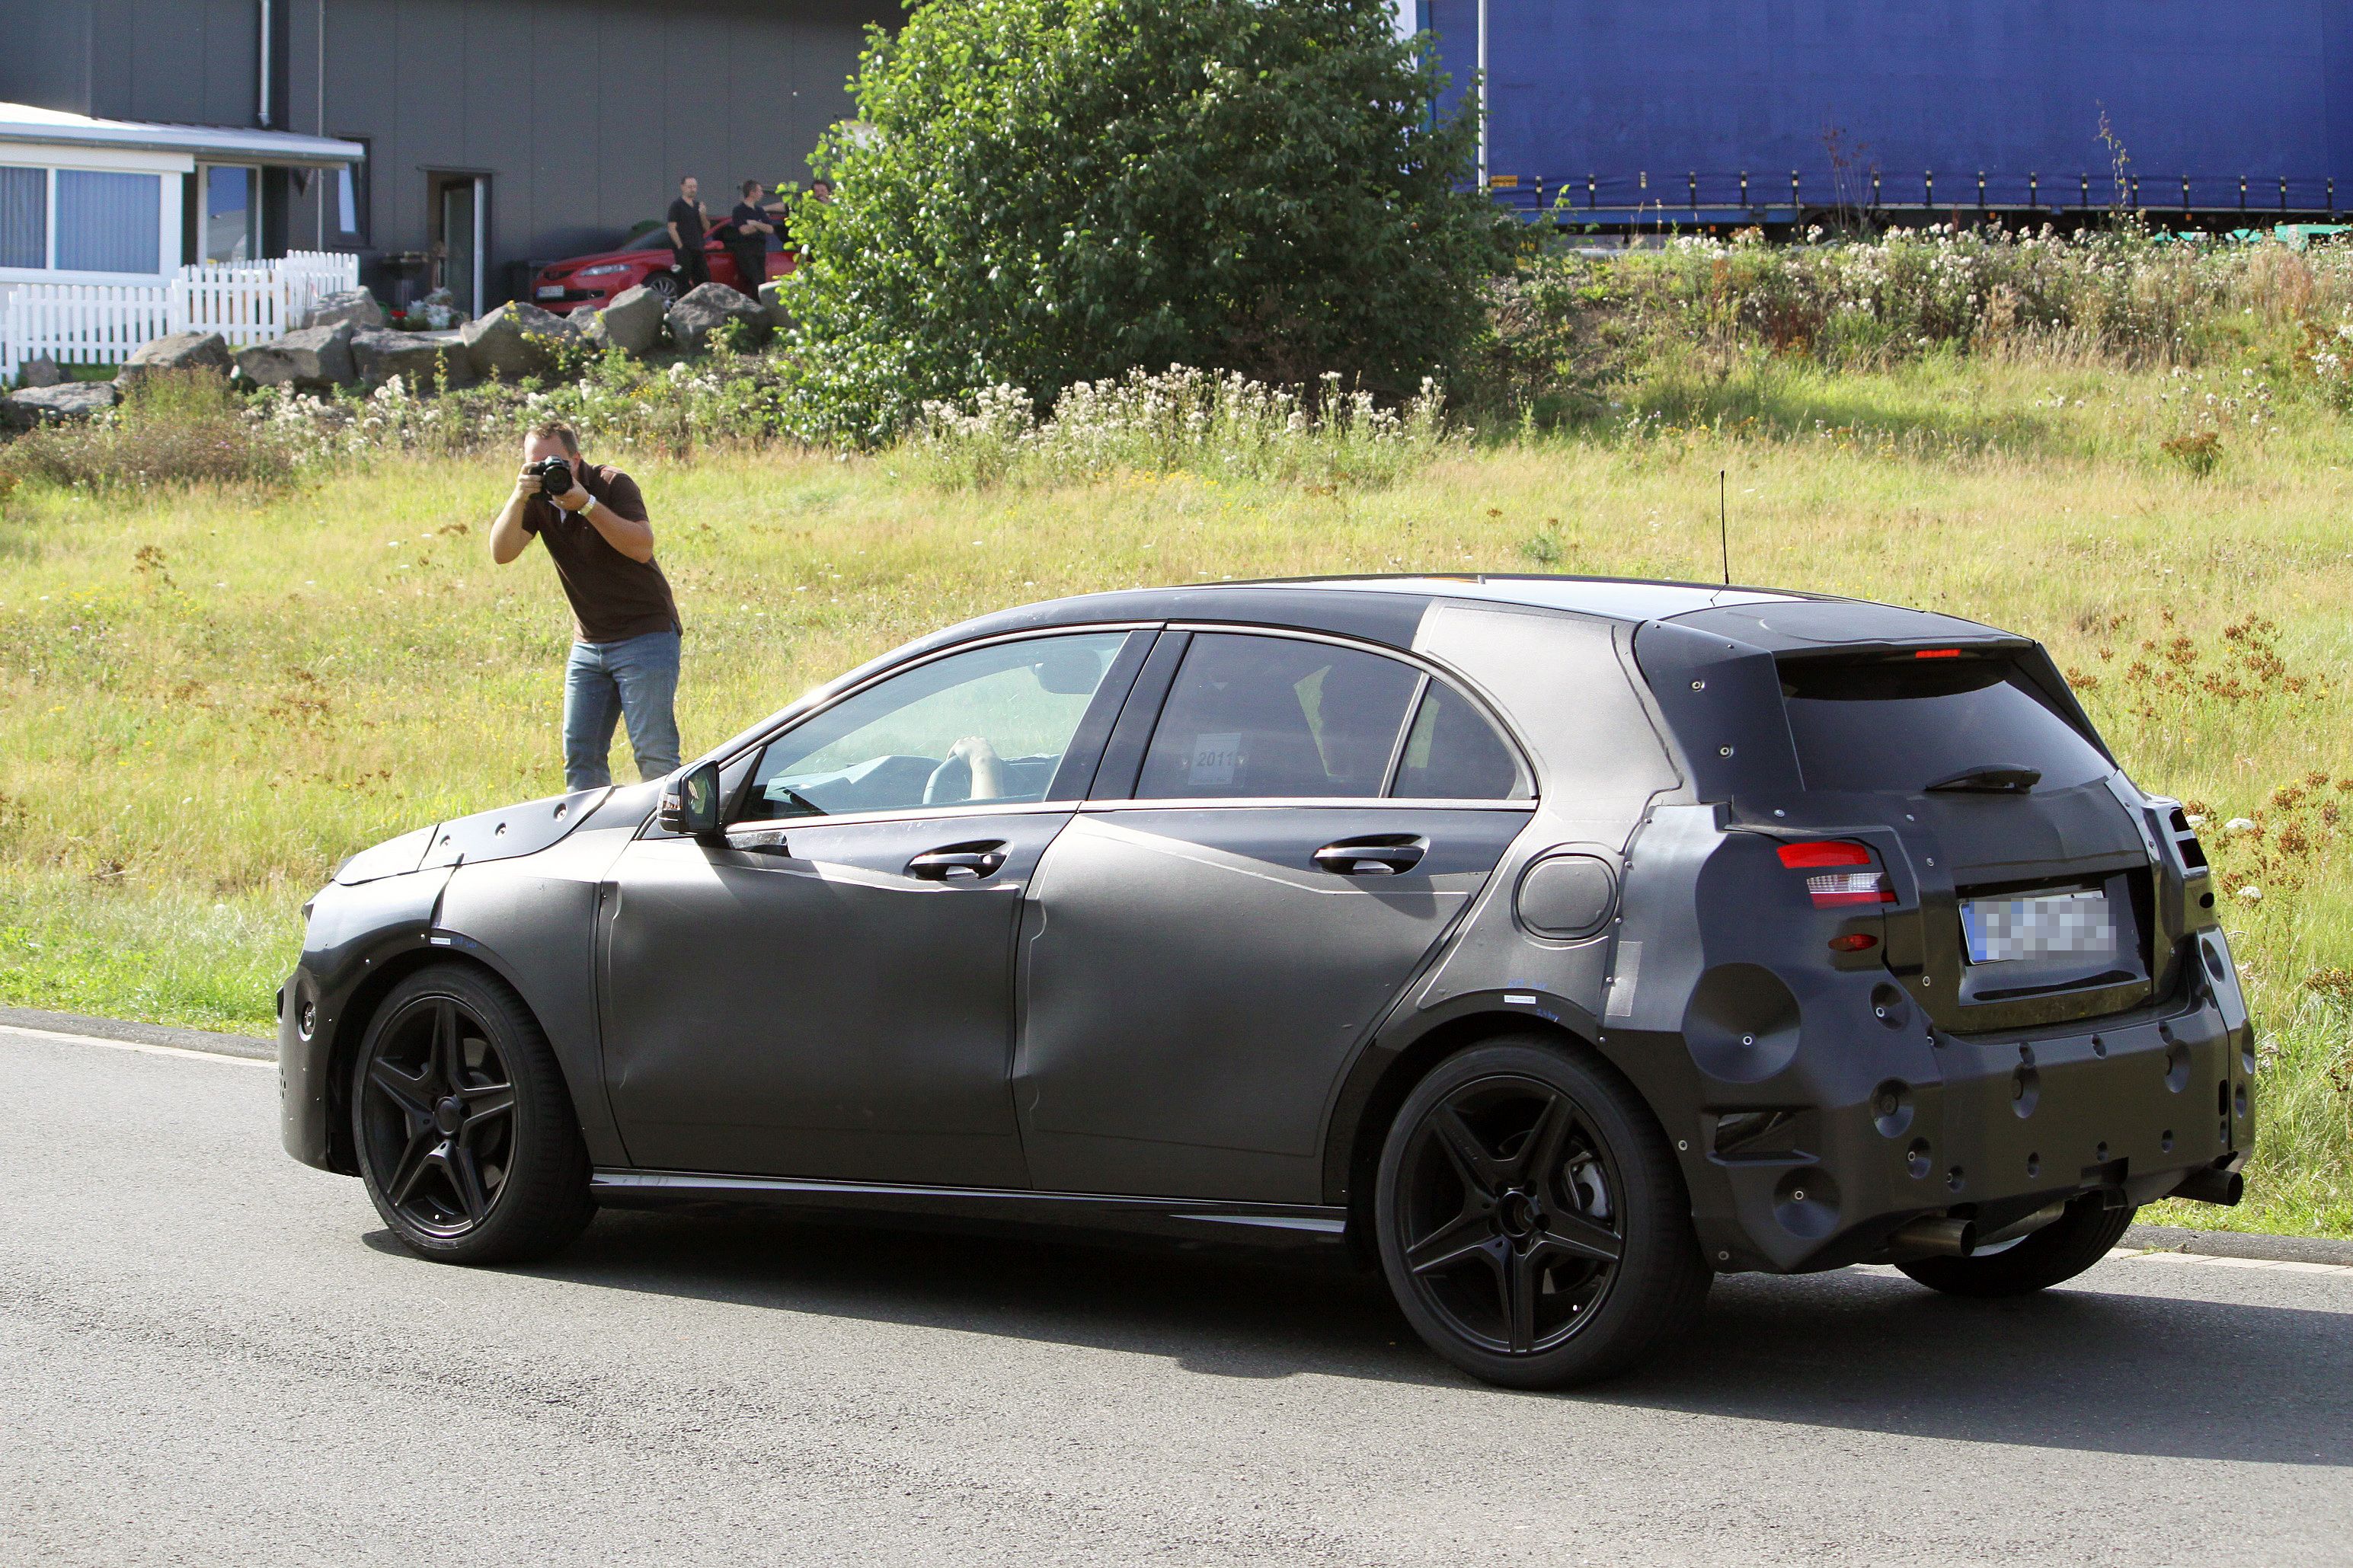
(23, 217)
(230, 223)
(107, 222)
(346, 197)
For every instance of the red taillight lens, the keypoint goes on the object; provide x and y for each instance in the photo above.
(1824, 852)
(1832, 888)
(1854, 941)
(1938, 653)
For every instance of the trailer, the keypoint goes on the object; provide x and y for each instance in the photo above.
(1784, 113)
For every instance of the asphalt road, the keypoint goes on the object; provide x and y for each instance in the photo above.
(208, 1353)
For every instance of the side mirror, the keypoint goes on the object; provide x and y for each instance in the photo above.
(692, 807)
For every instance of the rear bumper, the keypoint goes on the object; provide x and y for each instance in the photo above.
(1996, 1128)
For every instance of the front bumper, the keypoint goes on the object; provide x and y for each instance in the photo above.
(1998, 1128)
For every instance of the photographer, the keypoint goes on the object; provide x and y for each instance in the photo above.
(625, 652)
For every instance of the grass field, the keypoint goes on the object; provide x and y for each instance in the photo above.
(209, 696)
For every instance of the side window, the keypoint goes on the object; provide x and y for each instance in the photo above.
(985, 727)
(1260, 717)
(1453, 753)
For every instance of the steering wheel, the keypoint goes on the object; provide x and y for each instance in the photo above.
(940, 789)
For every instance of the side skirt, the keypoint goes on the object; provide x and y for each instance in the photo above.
(1194, 1219)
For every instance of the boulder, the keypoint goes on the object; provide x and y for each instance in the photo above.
(311, 359)
(633, 322)
(772, 300)
(41, 371)
(177, 351)
(706, 307)
(356, 306)
(421, 359)
(49, 405)
(515, 341)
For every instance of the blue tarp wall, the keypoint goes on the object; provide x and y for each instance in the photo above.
(2210, 89)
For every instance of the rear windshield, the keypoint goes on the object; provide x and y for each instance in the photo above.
(1904, 724)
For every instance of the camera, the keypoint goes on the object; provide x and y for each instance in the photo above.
(555, 475)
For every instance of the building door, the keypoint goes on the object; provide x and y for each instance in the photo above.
(458, 223)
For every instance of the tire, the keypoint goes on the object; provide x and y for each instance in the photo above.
(2059, 1250)
(1532, 1223)
(664, 283)
(468, 1141)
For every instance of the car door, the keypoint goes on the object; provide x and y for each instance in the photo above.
(828, 992)
(1203, 959)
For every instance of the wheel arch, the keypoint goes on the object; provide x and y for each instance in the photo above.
(1387, 1073)
(359, 1013)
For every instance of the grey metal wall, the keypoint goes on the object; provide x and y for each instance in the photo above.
(583, 114)
(188, 61)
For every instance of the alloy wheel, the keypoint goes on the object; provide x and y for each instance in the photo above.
(437, 1114)
(1509, 1215)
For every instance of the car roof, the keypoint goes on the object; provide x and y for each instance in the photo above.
(1389, 608)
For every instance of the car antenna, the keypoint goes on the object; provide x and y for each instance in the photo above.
(1722, 529)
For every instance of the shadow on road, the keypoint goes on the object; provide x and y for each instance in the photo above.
(2081, 1368)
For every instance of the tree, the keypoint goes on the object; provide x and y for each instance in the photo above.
(1040, 192)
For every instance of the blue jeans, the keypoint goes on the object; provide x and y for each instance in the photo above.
(635, 680)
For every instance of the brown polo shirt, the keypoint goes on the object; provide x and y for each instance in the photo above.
(613, 597)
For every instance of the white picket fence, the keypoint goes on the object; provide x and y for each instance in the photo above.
(105, 324)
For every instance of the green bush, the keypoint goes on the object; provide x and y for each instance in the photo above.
(1045, 192)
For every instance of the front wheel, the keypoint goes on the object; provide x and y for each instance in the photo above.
(468, 1141)
(664, 284)
(2036, 1261)
(1532, 1223)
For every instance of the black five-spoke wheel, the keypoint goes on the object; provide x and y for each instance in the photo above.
(1506, 1201)
(438, 1112)
(1532, 1222)
(466, 1137)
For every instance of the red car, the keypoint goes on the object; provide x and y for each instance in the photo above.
(589, 282)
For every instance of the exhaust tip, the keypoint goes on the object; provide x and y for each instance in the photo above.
(1938, 1235)
(2223, 1189)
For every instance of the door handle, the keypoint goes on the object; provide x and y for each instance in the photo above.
(959, 862)
(1378, 855)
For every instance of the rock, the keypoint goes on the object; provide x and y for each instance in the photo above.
(177, 351)
(706, 307)
(41, 371)
(421, 359)
(51, 404)
(311, 359)
(633, 322)
(772, 300)
(356, 306)
(515, 341)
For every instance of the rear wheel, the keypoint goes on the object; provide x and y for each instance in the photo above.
(1532, 1223)
(468, 1142)
(2059, 1250)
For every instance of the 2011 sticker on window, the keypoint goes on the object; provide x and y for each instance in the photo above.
(1214, 759)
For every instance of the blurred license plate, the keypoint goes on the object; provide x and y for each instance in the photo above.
(2072, 922)
(551, 290)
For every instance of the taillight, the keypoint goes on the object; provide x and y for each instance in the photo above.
(1832, 888)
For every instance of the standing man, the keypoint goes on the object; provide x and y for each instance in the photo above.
(688, 225)
(749, 228)
(625, 650)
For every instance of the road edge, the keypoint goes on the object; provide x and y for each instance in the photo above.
(138, 1034)
(2239, 1243)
